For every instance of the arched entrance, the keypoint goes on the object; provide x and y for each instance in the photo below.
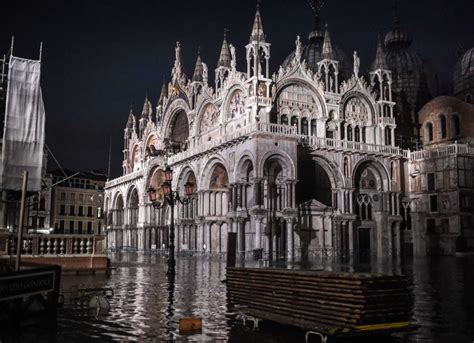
(118, 220)
(132, 208)
(369, 184)
(217, 205)
(314, 194)
(187, 229)
(274, 189)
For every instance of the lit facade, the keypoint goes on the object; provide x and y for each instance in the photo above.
(300, 162)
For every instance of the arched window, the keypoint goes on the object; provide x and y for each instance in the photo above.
(429, 132)
(457, 125)
(284, 119)
(304, 126)
(363, 135)
(442, 123)
(388, 136)
(314, 129)
(346, 166)
(393, 171)
(356, 134)
(469, 98)
(42, 206)
(349, 132)
(294, 122)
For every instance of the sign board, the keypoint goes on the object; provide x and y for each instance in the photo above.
(26, 284)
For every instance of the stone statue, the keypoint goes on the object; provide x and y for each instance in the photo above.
(205, 72)
(233, 61)
(177, 51)
(176, 71)
(298, 48)
(356, 64)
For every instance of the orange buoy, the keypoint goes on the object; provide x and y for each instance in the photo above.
(190, 325)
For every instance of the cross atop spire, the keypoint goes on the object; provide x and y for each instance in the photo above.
(396, 14)
(316, 6)
(257, 29)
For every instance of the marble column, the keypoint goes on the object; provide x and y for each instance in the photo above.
(241, 235)
(258, 232)
(290, 251)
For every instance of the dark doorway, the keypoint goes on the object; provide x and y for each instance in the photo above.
(364, 245)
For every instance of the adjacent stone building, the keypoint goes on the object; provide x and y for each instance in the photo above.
(441, 177)
(77, 203)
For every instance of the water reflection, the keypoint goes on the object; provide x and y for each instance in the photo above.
(147, 305)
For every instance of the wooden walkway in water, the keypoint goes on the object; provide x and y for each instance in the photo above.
(333, 304)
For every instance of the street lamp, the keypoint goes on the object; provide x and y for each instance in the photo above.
(170, 198)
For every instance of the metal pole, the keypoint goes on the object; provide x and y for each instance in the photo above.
(20, 227)
(171, 260)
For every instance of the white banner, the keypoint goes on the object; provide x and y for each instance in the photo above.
(23, 138)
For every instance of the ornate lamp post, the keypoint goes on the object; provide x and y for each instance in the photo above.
(170, 198)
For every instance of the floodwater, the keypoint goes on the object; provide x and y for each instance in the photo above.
(146, 306)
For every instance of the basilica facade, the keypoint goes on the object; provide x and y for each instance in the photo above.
(302, 162)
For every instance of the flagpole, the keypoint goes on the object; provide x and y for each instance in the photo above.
(22, 215)
(41, 51)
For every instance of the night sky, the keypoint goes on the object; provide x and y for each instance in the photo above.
(99, 57)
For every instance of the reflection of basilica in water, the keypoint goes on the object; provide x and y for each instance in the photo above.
(305, 160)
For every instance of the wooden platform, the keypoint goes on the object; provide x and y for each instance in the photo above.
(332, 303)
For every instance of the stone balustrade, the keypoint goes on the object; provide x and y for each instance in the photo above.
(238, 134)
(447, 150)
(54, 245)
(124, 178)
(387, 121)
(320, 143)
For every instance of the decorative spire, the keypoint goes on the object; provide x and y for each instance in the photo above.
(163, 93)
(131, 118)
(257, 29)
(147, 109)
(380, 61)
(198, 70)
(224, 57)
(328, 52)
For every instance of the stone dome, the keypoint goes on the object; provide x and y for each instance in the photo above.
(312, 53)
(413, 77)
(446, 119)
(463, 78)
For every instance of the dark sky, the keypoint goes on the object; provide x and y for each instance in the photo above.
(101, 56)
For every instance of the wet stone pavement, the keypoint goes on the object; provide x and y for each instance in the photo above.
(145, 307)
